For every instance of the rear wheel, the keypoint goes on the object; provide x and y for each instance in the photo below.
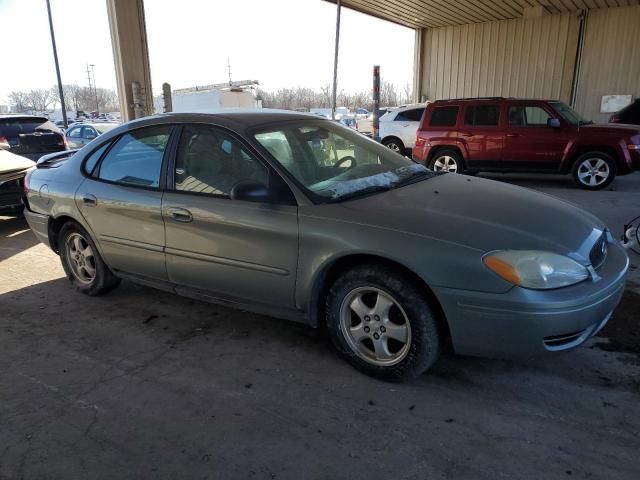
(594, 170)
(382, 324)
(82, 263)
(446, 160)
(394, 144)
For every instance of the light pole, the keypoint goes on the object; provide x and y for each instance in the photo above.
(95, 87)
(55, 60)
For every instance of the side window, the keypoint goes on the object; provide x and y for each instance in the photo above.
(527, 115)
(414, 115)
(136, 158)
(74, 132)
(481, 116)
(92, 159)
(211, 161)
(89, 133)
(444, 117)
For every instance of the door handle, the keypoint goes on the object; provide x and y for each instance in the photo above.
(512, 135)
(467, 134)
(180, 214)
(89, 200)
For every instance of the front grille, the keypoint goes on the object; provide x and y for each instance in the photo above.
(598, 253)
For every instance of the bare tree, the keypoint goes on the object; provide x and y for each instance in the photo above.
(39, 99)
(19, 101)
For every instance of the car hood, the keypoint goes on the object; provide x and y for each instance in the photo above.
(481, 214)
(12, 165)
(616, 128)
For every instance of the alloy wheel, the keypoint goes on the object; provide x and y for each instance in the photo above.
(445, 163)
(375, 326)
(593, 172)
(80, 258)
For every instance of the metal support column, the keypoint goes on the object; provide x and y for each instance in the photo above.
(55, 60)
(335, 62)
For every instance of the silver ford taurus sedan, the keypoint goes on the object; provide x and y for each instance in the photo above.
(291, 215)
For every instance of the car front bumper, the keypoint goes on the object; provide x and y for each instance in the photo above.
(525, 323)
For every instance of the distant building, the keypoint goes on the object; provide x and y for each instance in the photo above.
(5, 108)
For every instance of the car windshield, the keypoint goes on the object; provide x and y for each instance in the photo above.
(569, 114)
(334, 163)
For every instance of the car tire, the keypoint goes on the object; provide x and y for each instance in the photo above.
(447, 160)
(382, 323)
(395, 144)
(82, 262)
(594, 170)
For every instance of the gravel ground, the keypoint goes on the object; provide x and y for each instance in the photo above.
(144, 384)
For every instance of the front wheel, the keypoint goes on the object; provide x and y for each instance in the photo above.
(594, 170)
(382, 323)
(82, 263)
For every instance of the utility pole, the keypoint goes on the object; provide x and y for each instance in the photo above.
(229, 70)
(89, 79)
(335, 62)
(95, 87)
(55, 60)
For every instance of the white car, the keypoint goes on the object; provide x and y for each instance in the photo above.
(398, 127)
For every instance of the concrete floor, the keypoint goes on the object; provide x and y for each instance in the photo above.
(144, 384)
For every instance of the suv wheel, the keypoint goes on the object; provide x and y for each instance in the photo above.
(82, 263)
(594, 170)
(394, 144)
(382, 324)
(446, 161)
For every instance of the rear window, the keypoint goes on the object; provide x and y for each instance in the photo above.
(481, 116)
(444, 116)
(12, 127)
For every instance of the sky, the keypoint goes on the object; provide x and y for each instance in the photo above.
(280, 43)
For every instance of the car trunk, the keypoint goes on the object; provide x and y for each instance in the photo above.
(31, 136)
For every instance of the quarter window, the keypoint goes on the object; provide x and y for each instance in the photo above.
(74, 132)
(92, 159)
(136, 158)
(481, 116)
(413, 115)
(527, 115)
(210, 161)
(444, 117)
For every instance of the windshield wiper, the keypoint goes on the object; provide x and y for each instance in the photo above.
(358, 193)
(415, 177)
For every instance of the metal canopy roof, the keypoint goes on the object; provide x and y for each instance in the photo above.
(438, 13)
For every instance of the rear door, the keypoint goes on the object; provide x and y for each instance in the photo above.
(121, 201)
(235, 250)
(482, 136)
(529, 143)
(407, 123)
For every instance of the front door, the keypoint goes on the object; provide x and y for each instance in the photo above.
(481, 136)
(529, 143)
(407, 124)
(236, 250)
(121, 201)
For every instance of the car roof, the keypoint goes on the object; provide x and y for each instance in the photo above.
(246, 117)
(488, 99)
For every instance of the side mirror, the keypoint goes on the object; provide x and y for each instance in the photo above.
(250, 191)
(553, 123)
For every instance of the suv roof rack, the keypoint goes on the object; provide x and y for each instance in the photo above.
(469, 98)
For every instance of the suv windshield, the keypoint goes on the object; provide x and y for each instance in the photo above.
(334, 163)
(569, 114)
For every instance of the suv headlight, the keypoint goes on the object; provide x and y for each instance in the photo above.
(536, 269)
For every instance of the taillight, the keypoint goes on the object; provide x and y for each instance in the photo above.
(66, 143)
(420, 142)
(25, 181)
(4, 140)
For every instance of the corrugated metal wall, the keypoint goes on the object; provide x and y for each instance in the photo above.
(610, 60)
(526, 57)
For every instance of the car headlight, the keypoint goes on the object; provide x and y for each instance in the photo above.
(536, 269)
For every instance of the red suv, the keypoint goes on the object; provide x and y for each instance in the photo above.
(518, 135)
